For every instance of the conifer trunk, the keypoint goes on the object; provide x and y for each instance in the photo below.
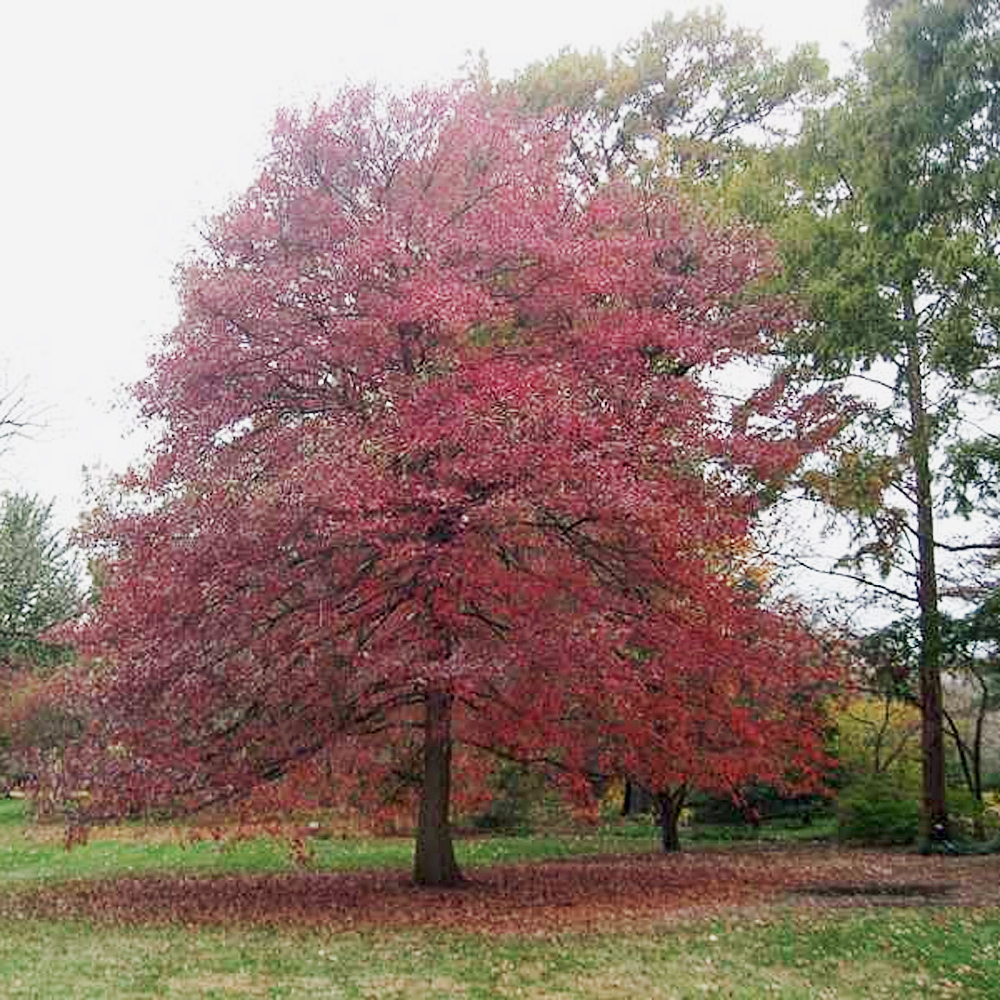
(934, 814)
(434, 860)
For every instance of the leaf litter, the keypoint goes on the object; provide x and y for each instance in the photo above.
(578, 895)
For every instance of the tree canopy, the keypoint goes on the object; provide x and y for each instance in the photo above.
(690, 97)
(438, 463)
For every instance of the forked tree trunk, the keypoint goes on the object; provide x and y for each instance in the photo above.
(434, 861)
(669, 805)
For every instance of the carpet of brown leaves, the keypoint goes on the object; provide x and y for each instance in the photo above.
(537, 898)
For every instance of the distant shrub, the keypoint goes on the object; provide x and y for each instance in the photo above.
(970, 817)
(758, 804)
(518, 797)
(876, 810)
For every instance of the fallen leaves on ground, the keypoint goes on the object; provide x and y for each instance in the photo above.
(538, 898)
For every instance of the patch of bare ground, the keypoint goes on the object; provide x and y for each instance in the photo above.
(538, 898)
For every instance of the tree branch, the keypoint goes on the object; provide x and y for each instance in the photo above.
(881, 587)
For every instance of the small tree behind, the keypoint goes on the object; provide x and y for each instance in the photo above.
(39, 582)
(737, 720)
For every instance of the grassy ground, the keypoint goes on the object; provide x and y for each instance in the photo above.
(36, 854)
(773, 951)
(890, 953)
(33, 854)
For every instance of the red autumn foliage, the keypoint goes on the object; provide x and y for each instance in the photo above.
(438, 463)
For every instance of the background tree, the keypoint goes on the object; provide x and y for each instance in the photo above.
(690, 97)
(39, 582)
(878, 734)
(971, 696)
(14, 420)
(971, 710)
(895, 249)
(436, 455)
(39, 590)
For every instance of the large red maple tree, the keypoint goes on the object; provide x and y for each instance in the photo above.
(436, 455)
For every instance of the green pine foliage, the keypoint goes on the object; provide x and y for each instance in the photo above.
(39, 582)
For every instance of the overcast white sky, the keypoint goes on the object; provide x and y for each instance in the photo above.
(127, 123)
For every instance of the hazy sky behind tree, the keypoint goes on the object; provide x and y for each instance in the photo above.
(127, 124)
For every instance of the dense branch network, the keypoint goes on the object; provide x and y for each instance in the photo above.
(436, 437)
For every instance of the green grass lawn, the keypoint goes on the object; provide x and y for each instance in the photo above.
(772, 952)
(28, 856)
(888, 953)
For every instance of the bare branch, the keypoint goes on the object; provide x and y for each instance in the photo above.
(14, 418)
(857, 578)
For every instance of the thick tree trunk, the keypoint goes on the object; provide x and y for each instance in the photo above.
(669, 805)
(934, 815)
(434, 861)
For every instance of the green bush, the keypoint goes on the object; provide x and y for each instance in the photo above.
(875, 810)
(763, 801)
(518, 798)
(970, 817)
